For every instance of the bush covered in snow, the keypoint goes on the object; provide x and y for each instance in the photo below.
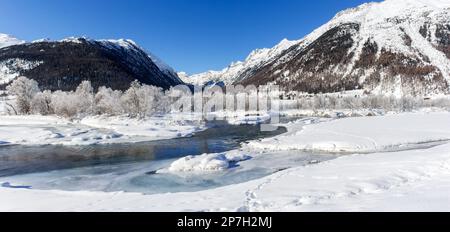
(25, 90)
(138, 101)
(387, 103)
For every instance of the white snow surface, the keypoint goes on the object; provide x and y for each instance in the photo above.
(44, 130)
(230, 74)
(157, 127)
(362, 134)
(131, 45)
(126, 44)
(7, 40)
(10, 69)
(205, 163)
(407, 180)
(385, 23)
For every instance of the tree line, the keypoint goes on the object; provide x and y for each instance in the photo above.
(141, 100)
(138, 101)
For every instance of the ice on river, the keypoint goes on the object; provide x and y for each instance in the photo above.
(388, 180)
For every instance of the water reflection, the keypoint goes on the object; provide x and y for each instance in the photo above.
(15, 160)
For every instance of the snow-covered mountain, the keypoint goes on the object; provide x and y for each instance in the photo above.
(64, 64)
(7, 40)
(130, 45)
(241, 69)
(393, 47)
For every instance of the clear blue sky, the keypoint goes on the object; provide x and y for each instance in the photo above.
(189, 35)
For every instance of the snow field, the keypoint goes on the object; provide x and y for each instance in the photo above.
(384, 181)
(45, 130)
(363, 134)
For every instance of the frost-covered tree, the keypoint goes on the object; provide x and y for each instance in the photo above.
(146, 100)
(24, 90)
(407, 103)
(142, 100)
(85, 95)
(164, 102)
(390, 103)
(130, 100)
(320, 101)
(107, 101)
(350, 103)
(442, 102)
(42, 103)
(333, 102)
(181, 99)
(65, 104)
(304, 103)
(149, 97)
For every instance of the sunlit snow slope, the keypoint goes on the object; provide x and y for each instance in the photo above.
(398, 47)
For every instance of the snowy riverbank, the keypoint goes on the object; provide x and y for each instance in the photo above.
(417, 178)
(363, 134)
(44, 130)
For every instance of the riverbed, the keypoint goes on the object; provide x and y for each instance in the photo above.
(131, 167)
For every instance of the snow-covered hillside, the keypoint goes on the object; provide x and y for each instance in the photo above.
(240, 69)
(64, 63)
(130, 45)
(393, 47)
(7, 40)
(10, 69)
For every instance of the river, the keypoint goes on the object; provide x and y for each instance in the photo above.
(130, 167)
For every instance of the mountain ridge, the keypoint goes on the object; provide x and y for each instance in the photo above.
(61, 65)
(413, 35)
(7, 40)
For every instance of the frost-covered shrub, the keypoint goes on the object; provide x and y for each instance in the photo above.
(333, 102)
(24, 89)
(320, 101)
(407, 104)
(443, 102)
(350, 103)
(149, 97)
(65, 104)
(138, 101)
(85, 95)
(107, 101)
(42, 103)
(141, 100)
(289, 105)
(130, 100)
(368, 102)
(374, 102)
(390, 103)
(305, 103)
(180, 99)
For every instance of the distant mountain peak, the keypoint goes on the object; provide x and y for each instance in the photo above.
(7, 40)
(398, 47)
(236, 70)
